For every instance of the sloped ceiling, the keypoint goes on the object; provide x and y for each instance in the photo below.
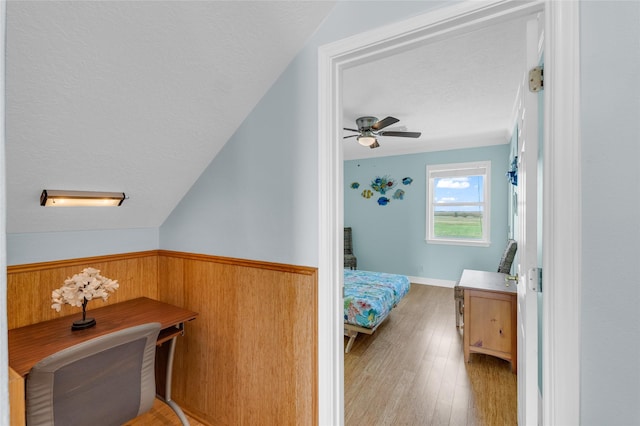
(133, 96)
(460, 92)
(139, 97)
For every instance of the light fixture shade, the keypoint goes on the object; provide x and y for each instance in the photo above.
(367, 140)
(55, 198)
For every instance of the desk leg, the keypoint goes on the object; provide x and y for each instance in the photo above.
(165, 394)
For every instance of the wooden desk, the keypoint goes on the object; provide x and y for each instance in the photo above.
(490, 313)
(16, 398)
(32, 343)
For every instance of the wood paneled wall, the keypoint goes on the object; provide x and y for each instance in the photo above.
(251, 355)
(29, 286)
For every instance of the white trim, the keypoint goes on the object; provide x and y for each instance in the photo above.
(4, 351)
(529, 227)
(562, 216)
(331, 249)
(561, 206)
(432, 281)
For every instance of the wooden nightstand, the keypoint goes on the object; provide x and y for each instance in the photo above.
(490, 312)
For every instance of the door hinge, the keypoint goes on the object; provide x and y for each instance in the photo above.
(535, 279)
(539, 280)
(536, 79)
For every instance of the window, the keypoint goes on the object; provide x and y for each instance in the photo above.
(458, 200)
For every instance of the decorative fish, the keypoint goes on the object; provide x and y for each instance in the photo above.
(407, 181)
(398, 195)
(512, 174)
(383, 201)
(355, 185)
(382, 184)
(367, 193)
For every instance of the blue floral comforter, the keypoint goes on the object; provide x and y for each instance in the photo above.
(369, 296)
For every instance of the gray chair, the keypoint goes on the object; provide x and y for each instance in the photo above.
(507, 257)
(350, 260)
(504, 267)
(106, 381)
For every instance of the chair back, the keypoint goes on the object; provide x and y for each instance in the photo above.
(507, 257)
(348, 244)
(350, 260)
(108, 380)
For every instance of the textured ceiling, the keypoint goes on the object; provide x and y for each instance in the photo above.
(139, 97)
(133, 96)
(459, 92)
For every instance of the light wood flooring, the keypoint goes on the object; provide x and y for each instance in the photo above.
(411, 371)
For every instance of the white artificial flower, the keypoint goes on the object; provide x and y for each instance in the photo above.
(85, 286)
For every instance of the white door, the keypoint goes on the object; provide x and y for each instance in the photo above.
(528, 226)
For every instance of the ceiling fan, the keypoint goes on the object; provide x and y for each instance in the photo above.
(370, 127)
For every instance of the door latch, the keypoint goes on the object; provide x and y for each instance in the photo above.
(509, 278)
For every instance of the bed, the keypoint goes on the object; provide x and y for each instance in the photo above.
(369, 297)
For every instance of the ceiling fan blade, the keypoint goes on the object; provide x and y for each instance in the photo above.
(351, 136)
(352, 130)
(374, 145)
(401, 134)
(384, 123)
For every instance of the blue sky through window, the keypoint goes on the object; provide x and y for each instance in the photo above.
(449, 191)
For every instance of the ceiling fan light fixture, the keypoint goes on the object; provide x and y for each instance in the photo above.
(367, 140)
(370, 127)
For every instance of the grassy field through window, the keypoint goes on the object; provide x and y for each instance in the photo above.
(458, 225)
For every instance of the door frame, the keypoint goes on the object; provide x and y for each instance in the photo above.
(4, 347)
(529, 146)
(561, 188)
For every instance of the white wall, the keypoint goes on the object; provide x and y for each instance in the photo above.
(610, 44)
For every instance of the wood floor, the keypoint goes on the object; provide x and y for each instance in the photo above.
(412, 371)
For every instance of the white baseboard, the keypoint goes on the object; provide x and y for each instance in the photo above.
(432, 281)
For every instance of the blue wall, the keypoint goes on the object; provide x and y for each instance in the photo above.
(258, 199)
(391, 238)
(610, 63)
(610, 101)
(49, 246)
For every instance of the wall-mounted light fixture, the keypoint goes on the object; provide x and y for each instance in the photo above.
(55, 198)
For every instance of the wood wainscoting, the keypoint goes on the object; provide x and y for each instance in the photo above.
(251, 355)
(29, 286)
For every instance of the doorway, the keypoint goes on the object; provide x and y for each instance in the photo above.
(561, 347)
